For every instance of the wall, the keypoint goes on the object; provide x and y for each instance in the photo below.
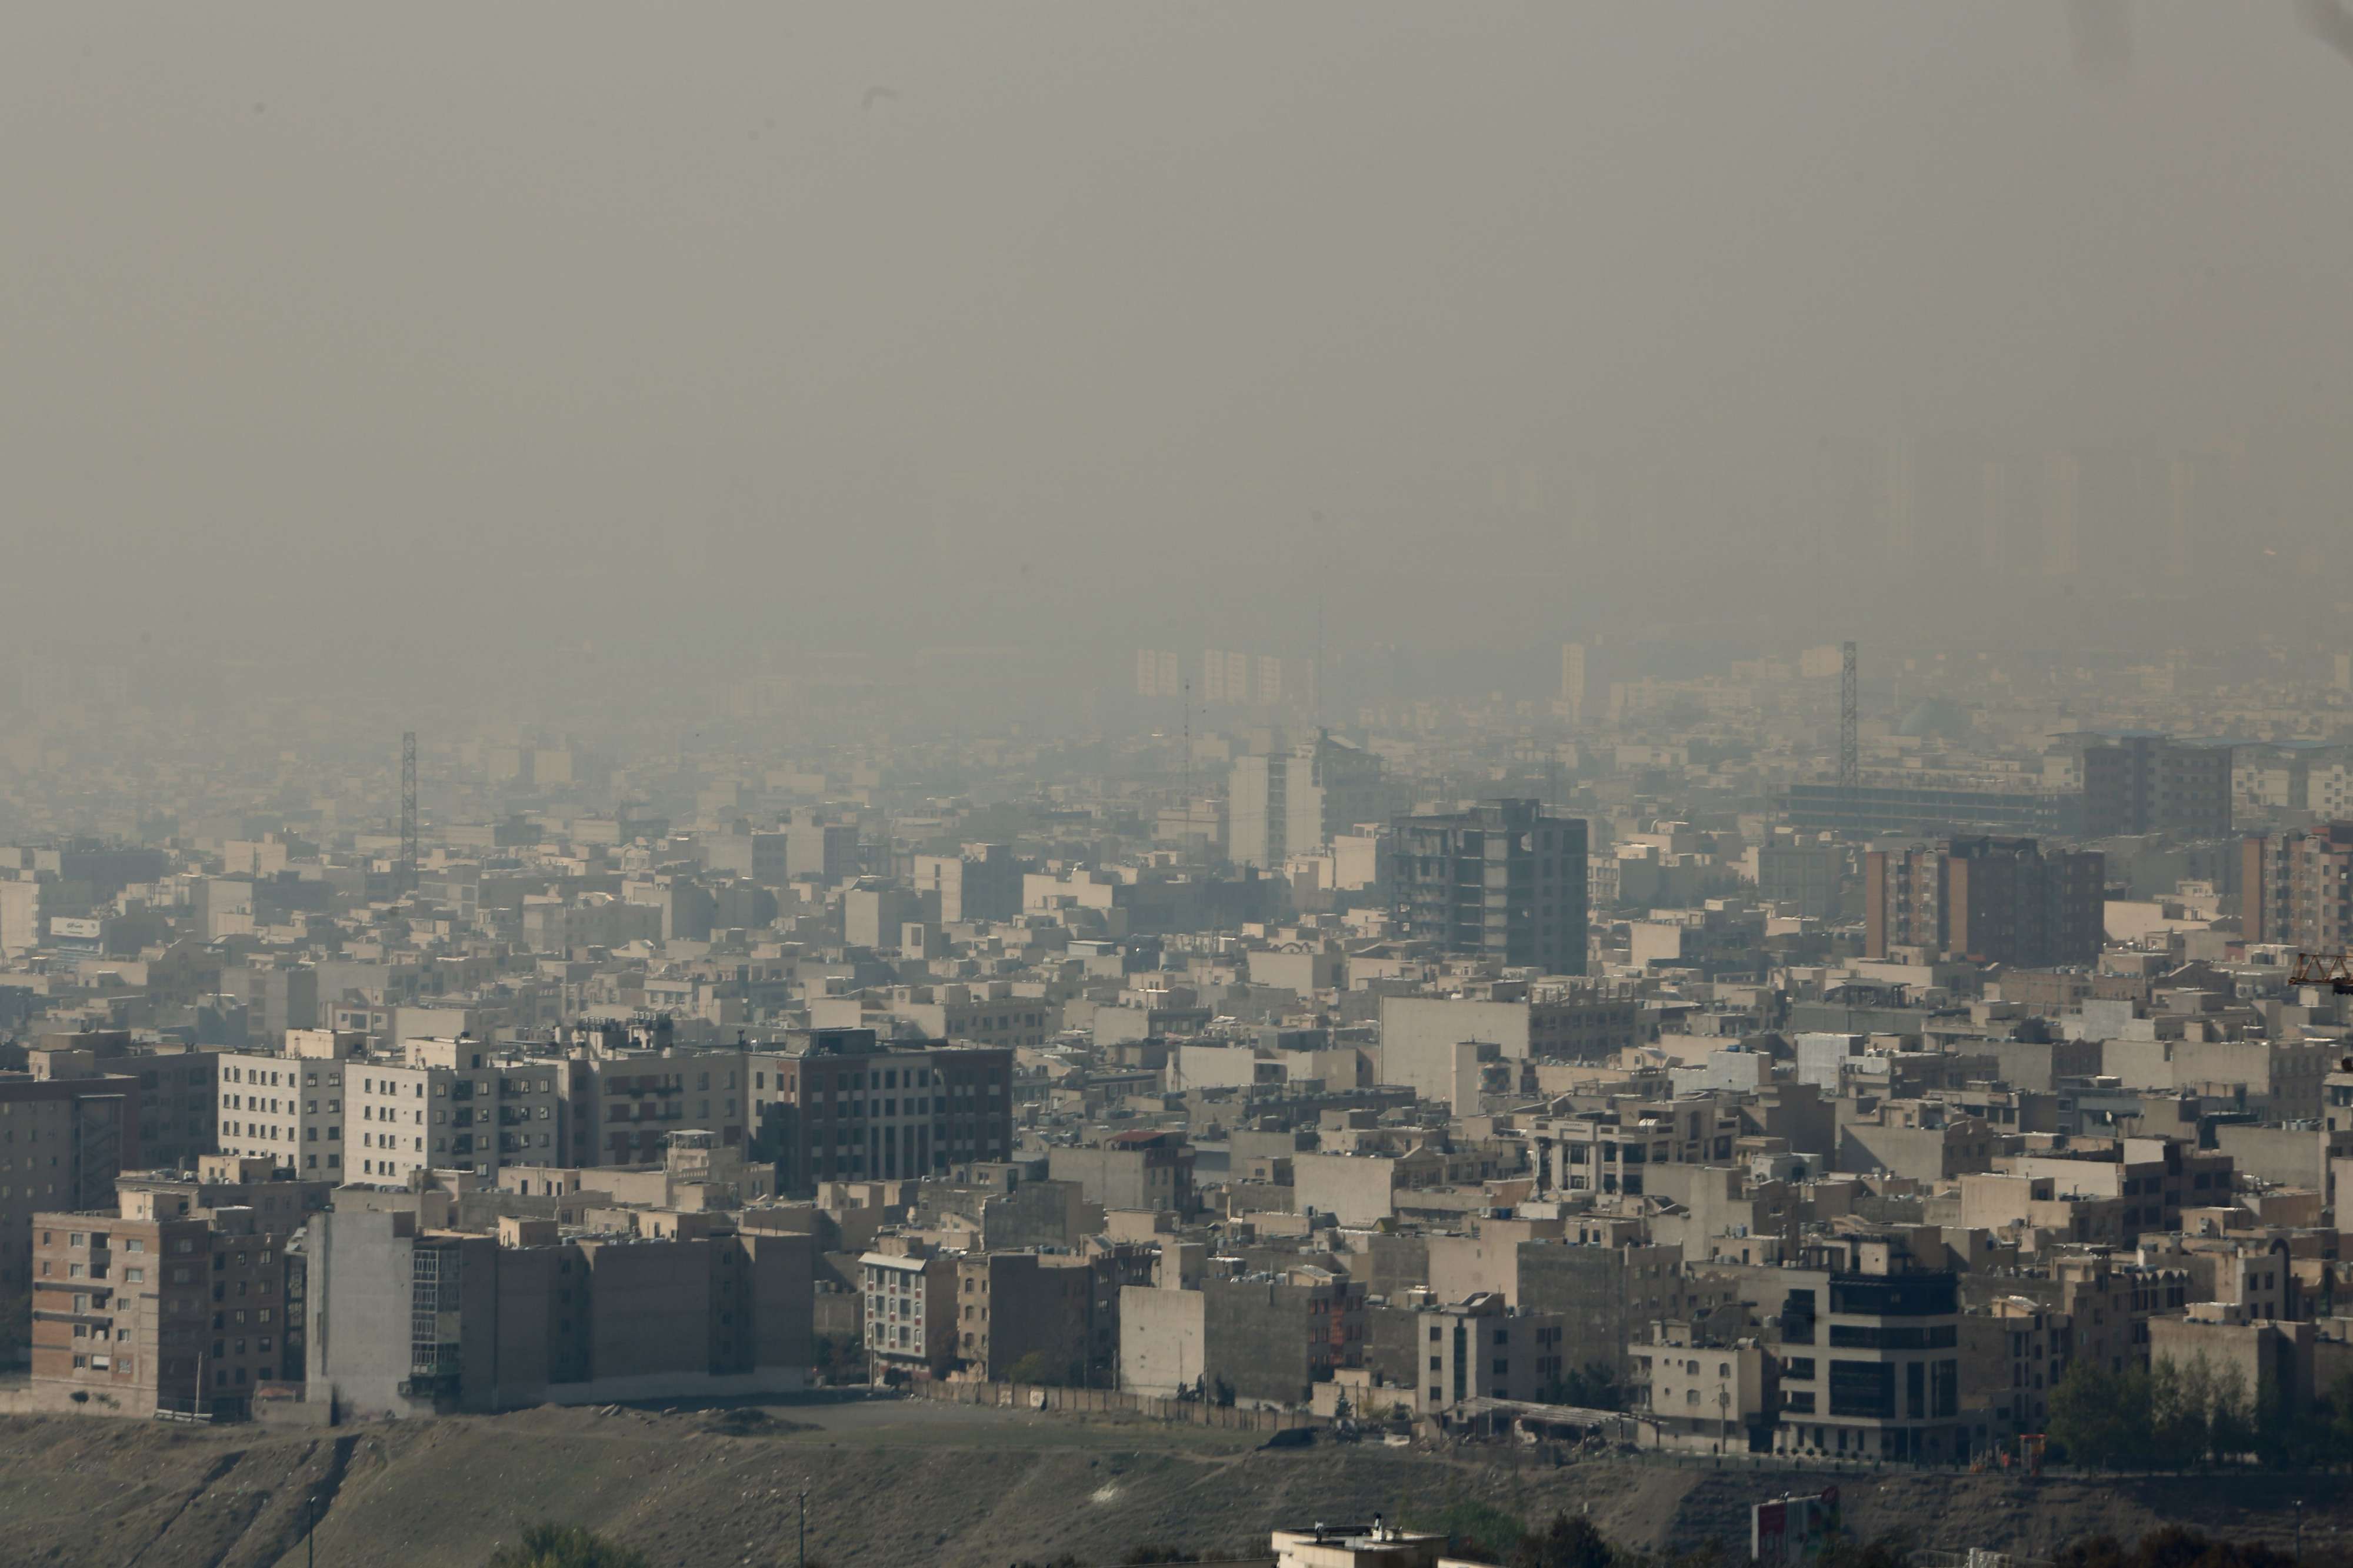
(1161, 1339)
(358, 1353)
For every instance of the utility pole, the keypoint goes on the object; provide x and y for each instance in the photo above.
(804, 1511)
(310, 1542)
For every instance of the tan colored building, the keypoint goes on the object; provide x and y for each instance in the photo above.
(137, 1317)
(408, 1321)
(1480, 1349)
(1702, 1395)
(1010, 1306)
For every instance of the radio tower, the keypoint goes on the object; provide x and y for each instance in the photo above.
(405, 878)
(1849, 775)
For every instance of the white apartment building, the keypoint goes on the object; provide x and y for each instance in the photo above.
(286, 1109)
(911, 1323)
(451, 1105)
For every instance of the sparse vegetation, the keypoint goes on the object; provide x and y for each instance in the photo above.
(564, 1546)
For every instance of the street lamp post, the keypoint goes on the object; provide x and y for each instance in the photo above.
(310, 1542)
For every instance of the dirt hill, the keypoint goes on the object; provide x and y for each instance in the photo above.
(893, 1483)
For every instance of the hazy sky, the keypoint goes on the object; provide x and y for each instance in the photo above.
(976, 323)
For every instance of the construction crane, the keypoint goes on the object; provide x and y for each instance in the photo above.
(2333, 970)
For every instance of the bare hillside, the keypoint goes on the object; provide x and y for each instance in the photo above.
(906, 1484)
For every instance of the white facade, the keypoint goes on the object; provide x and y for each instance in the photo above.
(451, 1105)
(286, 1109)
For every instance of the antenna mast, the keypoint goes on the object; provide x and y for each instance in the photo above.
(406, 876)
(1850, 738)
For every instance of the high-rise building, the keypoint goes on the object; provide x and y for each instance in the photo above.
(2297, 887)
(62, 1143)
(1502, 881)
(1300, 799)
(1572, 682)
(2150, 784)
(1992, 900)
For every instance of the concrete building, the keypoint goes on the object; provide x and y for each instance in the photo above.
(151, 1316)
(1280, 804)
(2136, 784)
(1991, 901)
(2272, 1361)
(408, 1321)
(1800, 877)
(1502, 881)
(982, 882)
(1011, 1306)
(1140, 1169)
(1611, 1151)
(1268, 1340)
(1701, 1394)
(287, 1110)
(1564, 1023)
(1480, 1349)
(1867, 1343)
(63, 1143)
(452, 1105)
(843, 1106)
(911, 1323)
(1162, 1338)
(2296, 886)
(1602, 1291)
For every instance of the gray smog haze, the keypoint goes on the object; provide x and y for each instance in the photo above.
(339, 336)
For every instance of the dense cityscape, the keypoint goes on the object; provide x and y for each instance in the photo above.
(1598, 1066)
(1330, 785)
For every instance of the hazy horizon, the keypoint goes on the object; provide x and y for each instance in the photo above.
(457, 339)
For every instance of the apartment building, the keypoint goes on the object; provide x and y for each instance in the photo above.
(1268, 1339)
(2296, 886)
(1602, 1285)
(623, 1106)
(1503, 880)
(2013, 1352)
(404, 1320)
(1571, 1023)
(1702, 1394)
(1143, 1168)
(1300, 799)
(843, 1106)
(911, 1311)
(1010, 1306)
(176, 1094)
(980, 882)
(1992, 901)
(63, 1143)
(985, 1015)
(446, 1104)
(279, 1199)
(287, 1110)
(2136, 784)
(2156, 1178)
(1609, 1150)
(1866, 1344)
(142, 1317)
(1480, 1349)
